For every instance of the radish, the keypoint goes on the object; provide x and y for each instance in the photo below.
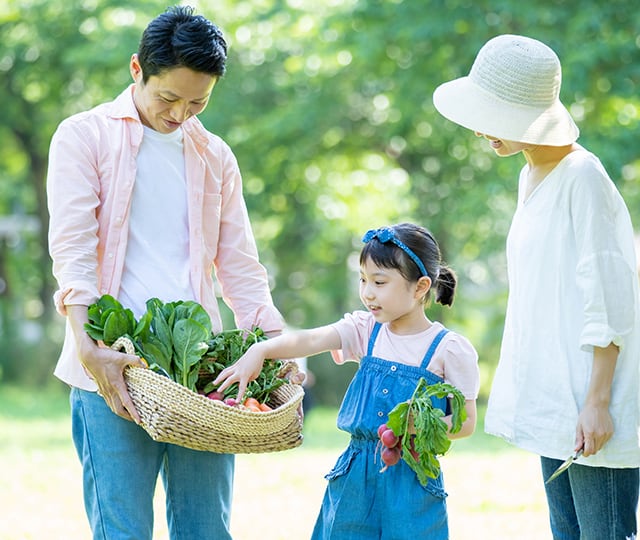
(389, 438)
(424, 434)
(215, 395)
(390, 457)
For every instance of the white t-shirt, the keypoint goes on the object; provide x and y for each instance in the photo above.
(573, 285)
(157, 260)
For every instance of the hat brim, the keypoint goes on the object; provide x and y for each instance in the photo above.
(464, 102)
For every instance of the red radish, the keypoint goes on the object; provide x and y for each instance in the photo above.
(231, 401)
(382, 429)
(389, 438)
(215, 395)
(390, 456)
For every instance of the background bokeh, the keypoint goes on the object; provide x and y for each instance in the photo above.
(327, 105)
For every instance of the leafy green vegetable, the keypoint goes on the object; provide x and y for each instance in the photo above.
(420, 450)
(189, 346)
(224, 349)
(175, 338)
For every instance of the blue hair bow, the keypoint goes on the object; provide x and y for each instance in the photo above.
(386, 234)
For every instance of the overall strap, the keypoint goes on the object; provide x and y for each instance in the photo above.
(432, 348)
(372, 338)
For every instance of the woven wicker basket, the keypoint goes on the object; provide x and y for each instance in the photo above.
(172, 413)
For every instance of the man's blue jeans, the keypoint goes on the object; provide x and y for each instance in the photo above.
(591, 503)
(121, 464)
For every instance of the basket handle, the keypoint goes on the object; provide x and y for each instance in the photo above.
(123, 342)
(291, 371)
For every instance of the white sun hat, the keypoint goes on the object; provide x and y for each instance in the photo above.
(511, 93)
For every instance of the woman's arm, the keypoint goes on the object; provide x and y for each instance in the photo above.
(289, 345)
(595, 425)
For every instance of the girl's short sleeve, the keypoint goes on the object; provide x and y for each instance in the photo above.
(354, 329)
(460, 365)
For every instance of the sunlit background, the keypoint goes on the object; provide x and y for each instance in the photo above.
(327, 105)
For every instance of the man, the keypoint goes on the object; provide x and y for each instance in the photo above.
(144, 202)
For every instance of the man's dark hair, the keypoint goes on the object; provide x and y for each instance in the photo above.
(178, 38)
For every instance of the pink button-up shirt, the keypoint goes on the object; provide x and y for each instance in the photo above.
(92, 169)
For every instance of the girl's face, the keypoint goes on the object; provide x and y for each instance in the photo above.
(504, 148)
(389, 297)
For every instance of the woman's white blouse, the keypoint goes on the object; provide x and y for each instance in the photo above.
(573, 285)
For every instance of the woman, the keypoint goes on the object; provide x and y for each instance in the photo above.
(568, 377)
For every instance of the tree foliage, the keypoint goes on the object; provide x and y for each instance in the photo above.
(328, 107)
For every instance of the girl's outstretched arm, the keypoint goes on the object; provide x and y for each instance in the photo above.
(288, 345)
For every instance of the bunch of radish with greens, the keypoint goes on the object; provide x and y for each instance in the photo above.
(176, 340)
(416, 432)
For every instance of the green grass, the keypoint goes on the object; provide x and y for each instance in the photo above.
(495, 491)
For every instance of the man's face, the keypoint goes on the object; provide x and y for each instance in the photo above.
(166, 100)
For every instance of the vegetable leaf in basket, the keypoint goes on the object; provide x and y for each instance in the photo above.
(189, 345)
(227, 347)
(108, 320)
(176, 339)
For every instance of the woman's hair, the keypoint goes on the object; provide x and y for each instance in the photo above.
(424, 246)
(178, 38)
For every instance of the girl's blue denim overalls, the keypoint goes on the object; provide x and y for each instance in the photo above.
(360, 502)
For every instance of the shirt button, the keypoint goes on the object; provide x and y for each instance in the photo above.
(393, 368)
(385, 391)
(380, 414)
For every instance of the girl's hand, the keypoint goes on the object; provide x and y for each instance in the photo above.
(246, 369)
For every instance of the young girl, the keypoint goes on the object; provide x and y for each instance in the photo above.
(396, 344)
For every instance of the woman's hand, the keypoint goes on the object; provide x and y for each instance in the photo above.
(245, 369)
(595, 425)
(594, 429)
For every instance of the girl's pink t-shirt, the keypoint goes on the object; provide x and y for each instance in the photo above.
(455, 359)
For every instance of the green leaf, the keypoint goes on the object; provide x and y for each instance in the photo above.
(398, 418)
(189, 345)
(143, 327)
(94, 331)
(431, 432)
(156, 351)
(115, 326)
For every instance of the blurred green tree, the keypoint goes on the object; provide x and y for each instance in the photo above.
(328, 107)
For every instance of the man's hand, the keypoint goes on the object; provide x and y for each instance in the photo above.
(105, 366)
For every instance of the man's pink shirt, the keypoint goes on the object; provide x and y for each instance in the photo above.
(92, 168)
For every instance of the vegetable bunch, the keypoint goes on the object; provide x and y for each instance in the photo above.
(418, 434)
(171, 337)
(223, 350)
(176, 340)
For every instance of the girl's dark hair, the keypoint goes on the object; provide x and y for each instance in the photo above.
(178, 38)
(424, 245)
